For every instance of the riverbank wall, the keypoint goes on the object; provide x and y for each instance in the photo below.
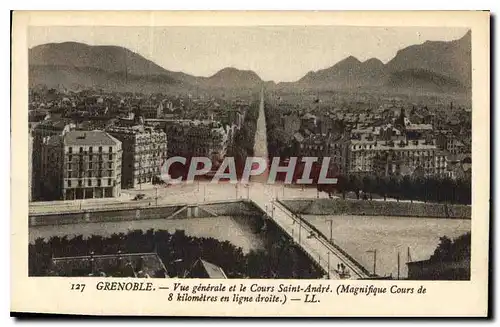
(377, 208)
(178, 211)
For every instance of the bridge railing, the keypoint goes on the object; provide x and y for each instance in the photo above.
(62, 208)
(359, 269)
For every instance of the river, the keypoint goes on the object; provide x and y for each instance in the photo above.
(236, 230)
(388, 236)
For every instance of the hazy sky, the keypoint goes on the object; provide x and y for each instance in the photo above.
(275, 53)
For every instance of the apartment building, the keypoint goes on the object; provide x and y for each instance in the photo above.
(144, 150)
(39, 136)
(197, 138)
(446, 141)
(392, 157)
(81, 165)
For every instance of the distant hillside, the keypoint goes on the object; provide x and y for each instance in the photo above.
(79, 66)
(424, 81)
(106, 58)
(81, 78)
(233, 78)
(451, 59)
(348, 73)
(431, 67)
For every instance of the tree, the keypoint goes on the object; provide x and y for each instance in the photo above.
(431, 189)
(419, 188)
(178, 252)
(393, 187)
(463, 192)
(342, 185)
(453, 250)
(355, 184)
(368, 185)
(381, 187)
(407, 188)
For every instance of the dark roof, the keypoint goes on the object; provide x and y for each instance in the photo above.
(150, 264)
(212, 270)
(60, 124)
(418, 263)
(89, 138)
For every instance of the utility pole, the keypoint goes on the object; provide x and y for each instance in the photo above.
(374, 261)
(140, 172)
(300, 227)
(331, 230)
(329, 264)
(398, 264)
(156, 190)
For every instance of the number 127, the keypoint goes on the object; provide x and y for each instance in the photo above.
(77, 287)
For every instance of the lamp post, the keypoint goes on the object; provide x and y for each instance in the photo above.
(374, 261)
(398, 265)
(329, 264)
(331, 230)
(300, 227)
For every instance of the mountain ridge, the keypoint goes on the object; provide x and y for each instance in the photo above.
(431, 64)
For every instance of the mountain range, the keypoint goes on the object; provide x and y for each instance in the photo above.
(431, 67)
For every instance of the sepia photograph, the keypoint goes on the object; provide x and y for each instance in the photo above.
(264, 152)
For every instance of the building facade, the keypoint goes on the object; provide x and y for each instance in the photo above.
(446, 141)
(197, 138)
(385, 158)
(144, 150)
(39, 136)
(81, 165)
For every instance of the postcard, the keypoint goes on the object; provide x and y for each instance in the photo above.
(250, 164)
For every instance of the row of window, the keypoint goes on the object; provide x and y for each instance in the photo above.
(402, 153)
(91, 157)
(109, 165)
(90, 173)
(90, 183)
(91, 149)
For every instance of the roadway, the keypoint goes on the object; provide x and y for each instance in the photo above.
(265, 195)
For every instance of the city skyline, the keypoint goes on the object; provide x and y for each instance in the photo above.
(268, 51)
